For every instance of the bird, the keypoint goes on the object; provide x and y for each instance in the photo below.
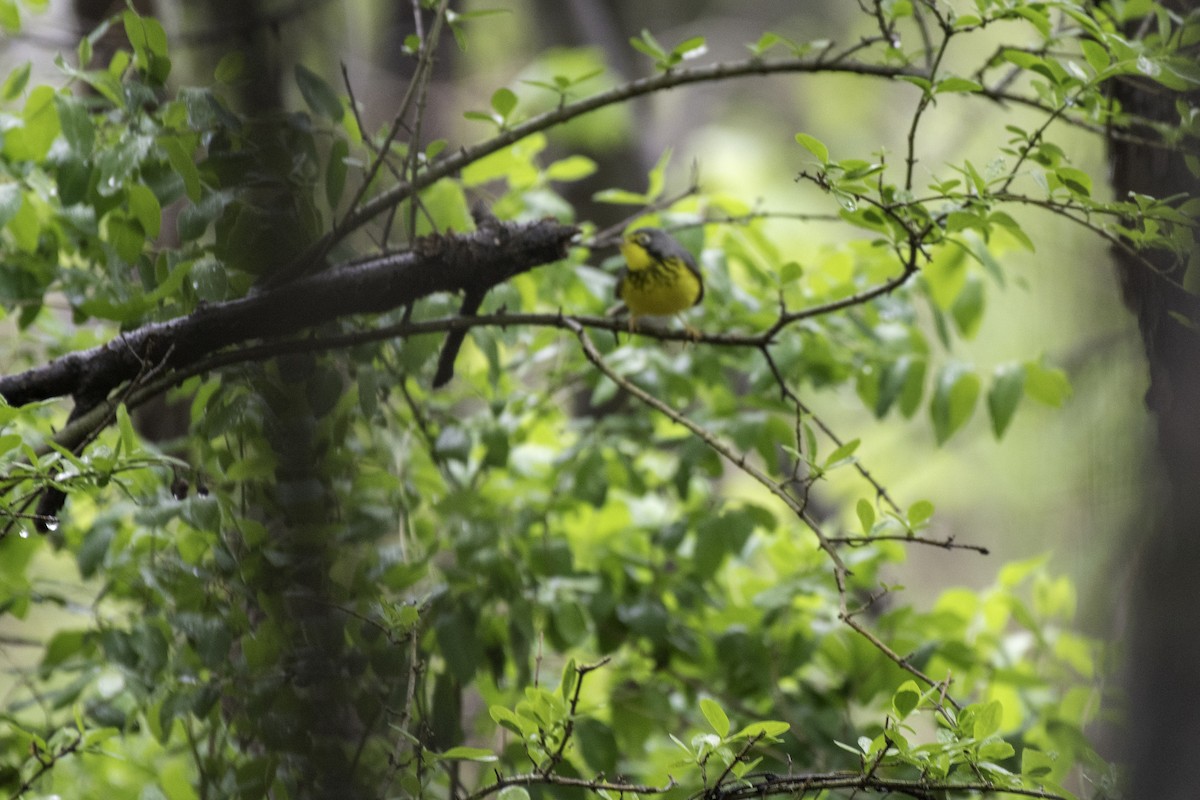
(660, 277)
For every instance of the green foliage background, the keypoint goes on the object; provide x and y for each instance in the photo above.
(532, 581)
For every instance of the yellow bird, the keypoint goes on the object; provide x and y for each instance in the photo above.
(661, 277)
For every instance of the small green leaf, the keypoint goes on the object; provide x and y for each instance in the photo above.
(967, 309)
(144, 207)
(76, 124)
(715, 715)
(318, 94)
(915, 80)
(504, 101)
(25, 226)
(648, 45)
(866, 515)
(841, 454)
(765, 43)
(1047, 384)
(570, 678)
(481, 116)
(1096, 54)
(16, 81)
(987, 719)
(954, 397)
(767, 729)
(620, 197)
(507, 719)
(814, 146)
(126, 237)
(905, 699)
(919, 513)
(690, 48)
(231, 67)
(1008, 386)
(571, 168)
(181, 161)
(956, 85)
(1036, 764)
(658, 176)
(1076, 180)
(945, 275)
(466, 754)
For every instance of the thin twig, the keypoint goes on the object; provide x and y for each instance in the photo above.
(706, 436)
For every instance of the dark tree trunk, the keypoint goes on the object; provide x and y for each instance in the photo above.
(1163, 645)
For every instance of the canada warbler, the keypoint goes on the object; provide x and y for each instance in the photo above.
(661, 277)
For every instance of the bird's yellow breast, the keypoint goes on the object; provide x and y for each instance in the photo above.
(657, 288)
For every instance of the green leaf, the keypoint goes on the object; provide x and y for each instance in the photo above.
(814, 146)
(1076, 180)
(318, 94)
(765, 43)
(1011, 226)
(945, 275)
(126, 236)
(570, 679)
(1097, 56)
(690, 48)
(768, 730)
(916, 80)
(569, 622)
(620, 197)
(16, 81)
(919, 513)
(231, 67)
(906, 699)
(144, 207)
(31, 141)
(129, 437)
(955, 393)
(841, 454)
(987, 719)
(149, 41)
(715, 715)
(181, 161)
(76, 124)
(1008, 386)
(658, 176)
(648, 45)
(790, 272)
(507, 719)
(949, 85)
(967, 309)
(1047, 384)
(1036, 764)
(467, 754)
(572, 168)
(504, 101)
(25, 227)
(10, 16)
(866, 515)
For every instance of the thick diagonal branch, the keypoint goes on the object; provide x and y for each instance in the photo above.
(472, 262)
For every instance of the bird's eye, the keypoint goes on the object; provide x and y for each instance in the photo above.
(643, 239)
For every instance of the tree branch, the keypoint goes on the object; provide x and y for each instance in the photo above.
(471, 262)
